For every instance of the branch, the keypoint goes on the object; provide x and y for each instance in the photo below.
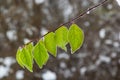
(76, 18)
(84, 13)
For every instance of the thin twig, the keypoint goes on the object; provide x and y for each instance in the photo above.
(77, 17)
(84, 13)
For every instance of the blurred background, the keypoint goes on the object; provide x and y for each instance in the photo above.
(24, 20)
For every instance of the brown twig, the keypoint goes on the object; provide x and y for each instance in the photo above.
(85, 12)
(77, 17)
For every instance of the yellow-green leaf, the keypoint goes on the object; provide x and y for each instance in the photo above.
(18, 57)
(50, 43)
(40, 54)
(27, 57)
(61, 37)
(75, 37)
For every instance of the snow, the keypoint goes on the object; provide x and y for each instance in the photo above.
(39, 1)
(73, 69)
(116, 44)
(68, 11)
(87, 23)
(63, 56)
(67, 73)
(43, 31)
(85, 3)
(97, 44)
(63, 65)
(4, 71)
(66, 8)
(118, 1)
(29, 31)
(11, 35)
(8, 61)
(83, 70)
(49, 75)
(102, 33)
(108, 41)
(103, 58)
(81, 55)
(110, 6)
(1, 59)
(19, 74)
(25, 40)
(92, 67)
(47, 13)
(113, 55)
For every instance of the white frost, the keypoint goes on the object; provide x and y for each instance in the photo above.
(19, 74)
(49, 75)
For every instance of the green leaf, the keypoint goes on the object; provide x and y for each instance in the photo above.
(27, 57)
(50, 43)
(61, 37)
(40, 54)
(29, 47)
(18, 57)
(75, 37)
